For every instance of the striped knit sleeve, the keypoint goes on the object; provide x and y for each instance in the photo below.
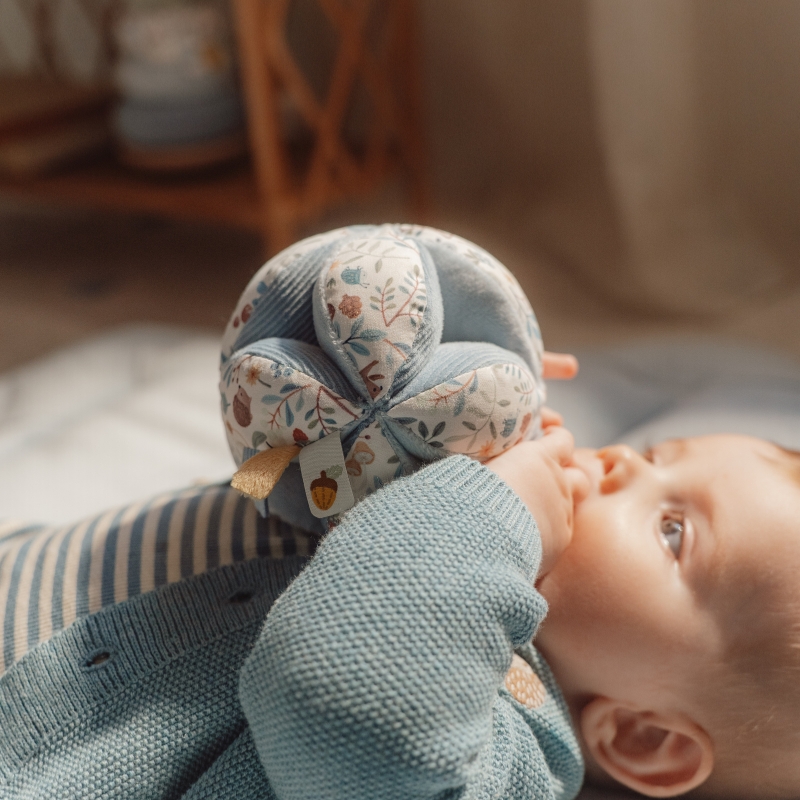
(377, 673)
(52, 575)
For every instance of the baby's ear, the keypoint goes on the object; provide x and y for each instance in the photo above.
(655, 753)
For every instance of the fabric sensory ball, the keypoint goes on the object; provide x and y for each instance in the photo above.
(409, 343)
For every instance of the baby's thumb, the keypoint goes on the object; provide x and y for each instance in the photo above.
(559, 443)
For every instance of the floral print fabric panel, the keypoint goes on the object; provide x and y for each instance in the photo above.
(268, 404)
(374, 297)
(479, 413)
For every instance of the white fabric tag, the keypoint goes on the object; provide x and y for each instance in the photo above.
(325, 477)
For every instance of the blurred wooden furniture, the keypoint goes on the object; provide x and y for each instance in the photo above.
(293, 174)
(45, 124)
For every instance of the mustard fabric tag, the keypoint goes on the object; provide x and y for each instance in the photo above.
(258, 475)
(325, 477)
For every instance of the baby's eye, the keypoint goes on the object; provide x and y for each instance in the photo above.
(672, 528)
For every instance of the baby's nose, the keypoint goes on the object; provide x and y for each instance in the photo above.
(620, 465)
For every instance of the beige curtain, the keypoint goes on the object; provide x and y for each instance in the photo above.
(650, 146)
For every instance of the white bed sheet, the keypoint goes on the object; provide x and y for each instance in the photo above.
(645, 392)
(108, 421)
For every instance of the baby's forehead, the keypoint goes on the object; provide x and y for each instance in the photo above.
(764, 479)
(789, 460)
(733, 451)
(747, 585)
(748, 491)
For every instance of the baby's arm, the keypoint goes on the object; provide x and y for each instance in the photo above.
(377, 673)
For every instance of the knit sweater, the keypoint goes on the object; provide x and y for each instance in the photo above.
(379, 673)
(52, 575)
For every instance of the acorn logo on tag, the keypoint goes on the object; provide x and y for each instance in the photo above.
(325, 481)
(324, 488)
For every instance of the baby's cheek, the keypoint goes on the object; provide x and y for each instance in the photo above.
(591, 585)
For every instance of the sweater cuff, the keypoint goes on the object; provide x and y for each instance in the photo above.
(482, 493)
(479, 485)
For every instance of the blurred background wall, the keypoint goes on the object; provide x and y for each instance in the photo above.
(649, 144)
(635, 162)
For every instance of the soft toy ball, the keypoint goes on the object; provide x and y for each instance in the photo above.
(405, 343)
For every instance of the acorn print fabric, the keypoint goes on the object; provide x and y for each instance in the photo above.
(413, 343)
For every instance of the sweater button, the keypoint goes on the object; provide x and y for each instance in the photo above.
(241, 597)
(524, 684)
(97, 659)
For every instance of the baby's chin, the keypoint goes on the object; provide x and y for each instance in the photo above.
(550, 587)
(559, 638)
(561, 586)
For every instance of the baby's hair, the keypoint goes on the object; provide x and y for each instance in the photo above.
(757, 689)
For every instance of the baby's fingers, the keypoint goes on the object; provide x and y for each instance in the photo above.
(559, 443)
(559, 366)
(550, 417)
(578, 482)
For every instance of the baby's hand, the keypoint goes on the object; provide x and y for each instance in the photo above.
(540, 472)
(559, 366)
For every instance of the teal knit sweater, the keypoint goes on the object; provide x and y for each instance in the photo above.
(377, 674)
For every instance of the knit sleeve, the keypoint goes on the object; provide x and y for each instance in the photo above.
(377, 673)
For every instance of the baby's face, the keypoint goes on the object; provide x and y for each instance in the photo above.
(666, 549)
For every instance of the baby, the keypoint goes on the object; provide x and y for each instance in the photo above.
(188, 647)
(671, 582)
(670, 578)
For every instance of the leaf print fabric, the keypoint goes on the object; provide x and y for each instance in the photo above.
(377, 288)
(372, 461)
(479, 413)
(353, 344)
(285, 406)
